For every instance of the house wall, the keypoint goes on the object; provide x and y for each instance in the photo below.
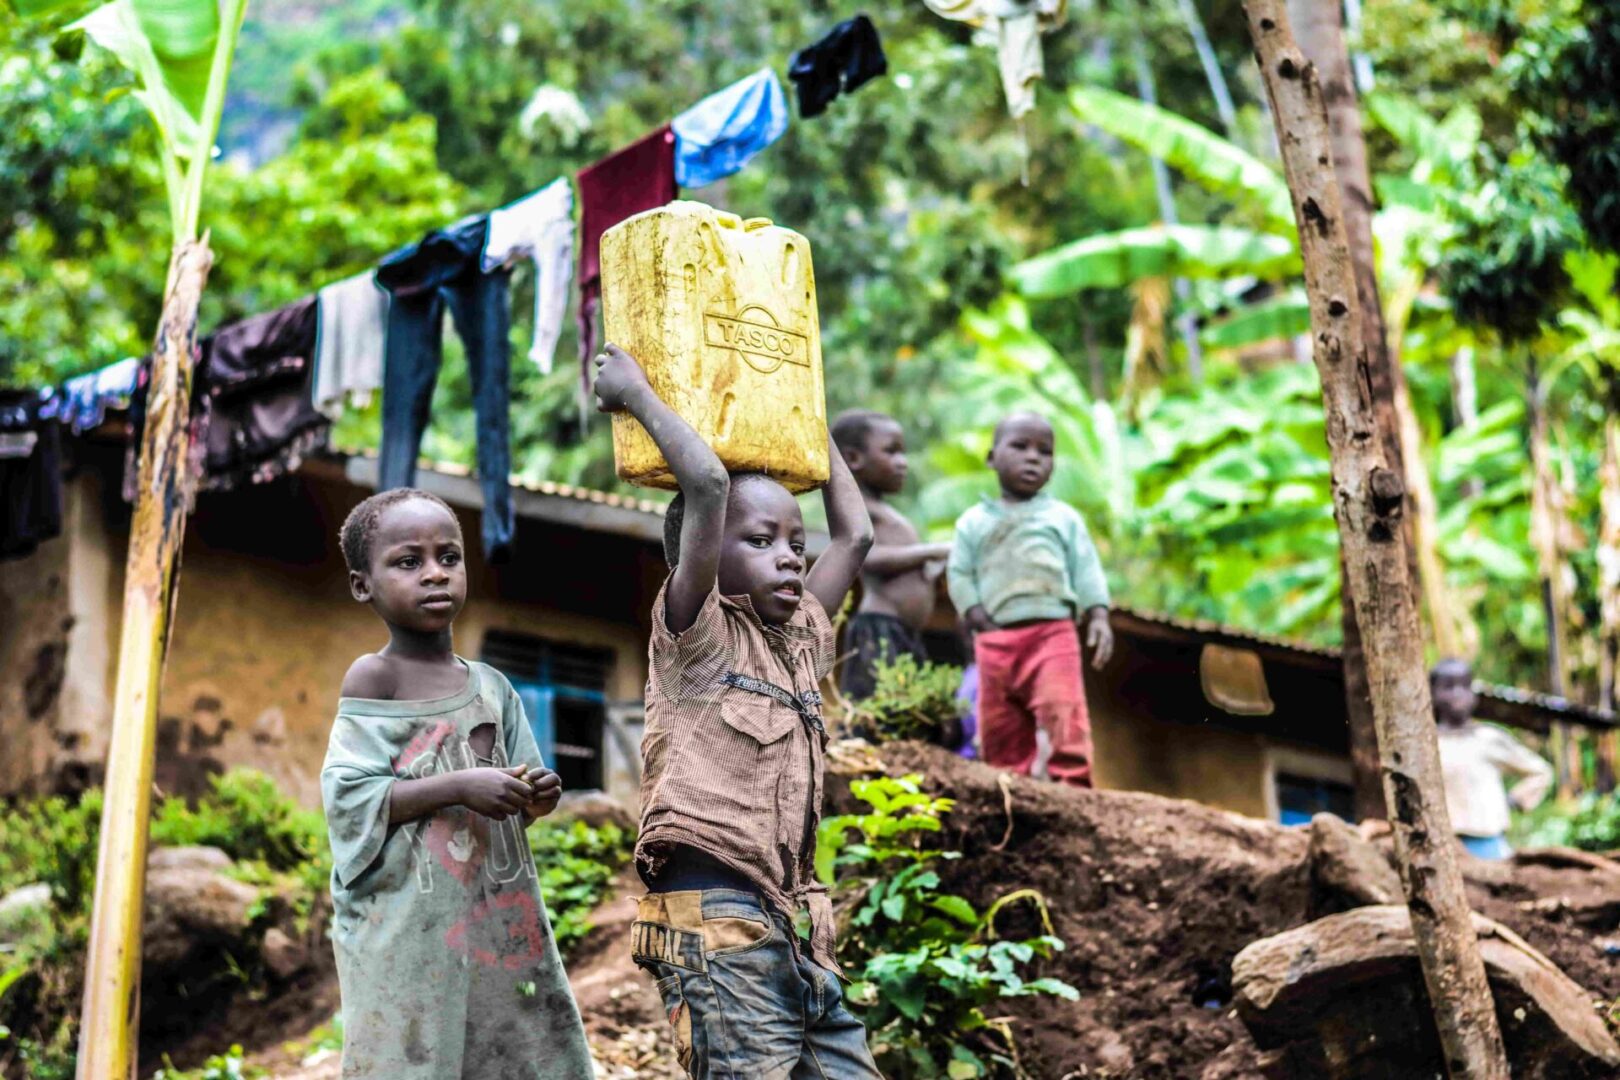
(265, 629)
(54, 696)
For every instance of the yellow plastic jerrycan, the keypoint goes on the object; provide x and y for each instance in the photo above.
(721, 313)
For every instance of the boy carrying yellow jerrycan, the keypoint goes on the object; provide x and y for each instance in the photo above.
(713, 376)
(721, 313)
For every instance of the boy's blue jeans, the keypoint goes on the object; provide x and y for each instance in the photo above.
(744, 1002)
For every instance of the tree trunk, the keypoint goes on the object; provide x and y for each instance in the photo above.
(1187, 323)
(111, 1020)
(1369, 500)
(1545, 522)
(1608, 561)
(1366, 783)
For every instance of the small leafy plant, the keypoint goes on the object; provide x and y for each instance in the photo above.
(911, 699)
(925, 964)
(576, 863)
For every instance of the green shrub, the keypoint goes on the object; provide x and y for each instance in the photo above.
(576, 863)
(246, 816)
(1591, 824)
(911, 699)
(230, 1065)
(52, 842)
(924, 964)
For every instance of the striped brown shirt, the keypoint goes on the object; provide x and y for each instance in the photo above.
(732, 756)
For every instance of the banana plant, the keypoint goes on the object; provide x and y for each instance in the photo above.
(180, 54)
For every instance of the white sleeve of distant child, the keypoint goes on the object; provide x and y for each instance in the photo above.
(1516, 760)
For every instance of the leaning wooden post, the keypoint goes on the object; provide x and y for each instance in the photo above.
(1368, 500)
(110, 1023)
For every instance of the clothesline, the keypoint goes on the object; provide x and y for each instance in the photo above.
(268, 386)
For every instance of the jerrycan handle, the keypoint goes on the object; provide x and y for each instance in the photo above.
(727, 220)
(754, 224)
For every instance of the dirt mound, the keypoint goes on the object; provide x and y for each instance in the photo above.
(629, 1034)
(1156, 896)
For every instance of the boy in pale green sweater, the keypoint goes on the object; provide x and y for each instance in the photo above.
(1023, 572)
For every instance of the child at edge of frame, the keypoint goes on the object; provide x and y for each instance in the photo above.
(732, 760)
(1023, 572)
(446, 959)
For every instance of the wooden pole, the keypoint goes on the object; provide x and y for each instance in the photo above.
(1369, 498)
(110, 1025)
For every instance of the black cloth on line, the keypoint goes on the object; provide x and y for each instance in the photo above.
(849, 56)
(31, 486)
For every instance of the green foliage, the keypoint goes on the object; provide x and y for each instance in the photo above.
(231, 1065)
(926, 965)
(1591, 824)
(1505, 271)
(1195, 151)
(1565, 69)
(1114, 260)
(246, 816)
(911, 699)
(577, 862)
(52, 842)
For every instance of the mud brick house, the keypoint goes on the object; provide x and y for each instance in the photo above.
(265, 629)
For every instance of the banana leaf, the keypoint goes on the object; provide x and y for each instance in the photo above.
(1284, 316)
(1196, 152)
(1114, 260)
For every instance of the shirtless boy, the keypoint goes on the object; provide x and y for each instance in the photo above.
(898, 580)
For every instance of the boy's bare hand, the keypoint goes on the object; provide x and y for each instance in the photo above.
(1099, 637)
(495, 793)
(978, 620)
(547, 788)
(617, 377)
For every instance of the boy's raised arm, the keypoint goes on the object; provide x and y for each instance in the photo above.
(851, 529)
(621, 385)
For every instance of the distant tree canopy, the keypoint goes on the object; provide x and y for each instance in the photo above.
(353, 128)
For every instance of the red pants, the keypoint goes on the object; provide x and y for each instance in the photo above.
(1029, 676)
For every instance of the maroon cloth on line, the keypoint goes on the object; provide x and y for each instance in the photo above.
(639, 177)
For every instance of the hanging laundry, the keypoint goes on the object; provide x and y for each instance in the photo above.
(1014, 27)
(82, 402)
(258, 420)
(539, 227)
(444, 270)
(30, 473)
(721, 133)
(349, 336)
(639, 177)
(849, 56)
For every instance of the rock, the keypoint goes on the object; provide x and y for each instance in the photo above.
(1347, 871)
(28, 896)
(1343, 997)
(1113, 1056)
(187, 858)
(596, 808)
(191, 907)
(282, 955)
(18, 902)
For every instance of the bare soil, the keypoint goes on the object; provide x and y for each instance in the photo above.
(1154, 896)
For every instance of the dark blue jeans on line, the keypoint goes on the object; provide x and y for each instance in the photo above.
(755, 1007)
(423, 279)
